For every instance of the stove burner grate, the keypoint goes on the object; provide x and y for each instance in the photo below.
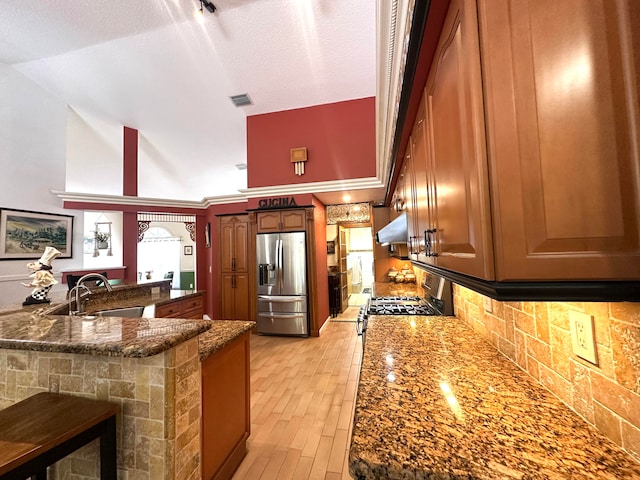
(395, 299)
(399, 309)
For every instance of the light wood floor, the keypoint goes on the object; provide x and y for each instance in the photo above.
(302, 399)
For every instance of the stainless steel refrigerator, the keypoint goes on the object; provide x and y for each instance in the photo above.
(282, 284)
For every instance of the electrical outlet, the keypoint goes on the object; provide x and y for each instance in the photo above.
(486, 303)
(582, 336)
(155, 292)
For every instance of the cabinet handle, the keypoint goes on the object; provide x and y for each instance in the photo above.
(428, 242)
(414, 245)
(233, 264)
(233, 282)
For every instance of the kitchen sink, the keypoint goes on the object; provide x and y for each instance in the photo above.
(131, 312)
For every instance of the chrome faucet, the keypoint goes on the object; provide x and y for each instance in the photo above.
(75, 291)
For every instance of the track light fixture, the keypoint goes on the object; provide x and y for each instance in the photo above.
(208, 5)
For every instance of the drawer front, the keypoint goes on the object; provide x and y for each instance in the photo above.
(192, 303)
(173, 309)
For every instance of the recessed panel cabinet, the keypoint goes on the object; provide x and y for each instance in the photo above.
(234, 267)
(451, 224)
(532, 140)
(281, 221)
(563, 113)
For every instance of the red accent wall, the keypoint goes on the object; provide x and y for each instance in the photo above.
(340, 139)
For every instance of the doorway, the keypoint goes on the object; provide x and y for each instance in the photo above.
(159, 257)
(350, 254)
(360, 274)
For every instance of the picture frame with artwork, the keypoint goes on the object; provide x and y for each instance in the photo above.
(188, 250)
(25, 234)
(331, 247)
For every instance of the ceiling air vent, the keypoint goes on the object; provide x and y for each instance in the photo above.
(241, 100)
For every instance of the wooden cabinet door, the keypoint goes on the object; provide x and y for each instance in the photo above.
(421, 184)
(268, 221)
(455, 122)
(235, 296)
(293, 220)
(564, 135)
(227, 294)
(234, 243)
(410, 198)
(227, 244)
(241, 296)
(241, 243)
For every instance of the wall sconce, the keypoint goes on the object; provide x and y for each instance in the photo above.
(398, 205)
(298, 157)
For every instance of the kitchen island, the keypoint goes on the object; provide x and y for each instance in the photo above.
(437, 401)
(151, 367)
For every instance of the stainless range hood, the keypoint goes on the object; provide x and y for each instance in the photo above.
(394, 232)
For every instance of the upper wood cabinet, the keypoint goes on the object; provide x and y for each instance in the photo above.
(563, 122)
(281, 221)
(532, 139)
(459, 223)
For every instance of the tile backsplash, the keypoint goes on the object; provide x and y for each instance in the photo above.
(536, 336)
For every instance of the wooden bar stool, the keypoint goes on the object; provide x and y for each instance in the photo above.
(40, 430)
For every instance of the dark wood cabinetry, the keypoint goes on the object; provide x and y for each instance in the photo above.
(526, 165)
(281, 221)
(226, 419)
(234, 267)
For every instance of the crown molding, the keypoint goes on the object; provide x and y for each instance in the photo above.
(314, 187)
(243, 196)
(124, 200)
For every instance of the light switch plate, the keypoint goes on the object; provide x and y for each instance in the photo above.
(155, 292)
(582, 336)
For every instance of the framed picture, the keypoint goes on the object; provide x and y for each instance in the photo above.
(188, 250)
(25, 234)
(331, 247)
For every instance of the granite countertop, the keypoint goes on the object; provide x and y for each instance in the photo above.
(220, 334)
(90, 335)
(437, 401)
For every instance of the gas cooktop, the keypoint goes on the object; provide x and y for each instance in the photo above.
(377, 300)
(400, 309)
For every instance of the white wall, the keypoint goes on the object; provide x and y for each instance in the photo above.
(94, 154)
(32, 161)
(102, 260)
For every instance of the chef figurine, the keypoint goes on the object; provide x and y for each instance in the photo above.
(42, 279)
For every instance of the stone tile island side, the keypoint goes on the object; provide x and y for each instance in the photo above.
(149, 366)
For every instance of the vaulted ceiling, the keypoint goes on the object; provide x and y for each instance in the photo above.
(153, 66)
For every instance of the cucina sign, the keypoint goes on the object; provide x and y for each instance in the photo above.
(279, 202)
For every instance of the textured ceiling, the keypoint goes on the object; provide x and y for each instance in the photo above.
(150, 65)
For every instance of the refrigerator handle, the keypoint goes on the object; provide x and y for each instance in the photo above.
(280, 260)
(261, 274)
